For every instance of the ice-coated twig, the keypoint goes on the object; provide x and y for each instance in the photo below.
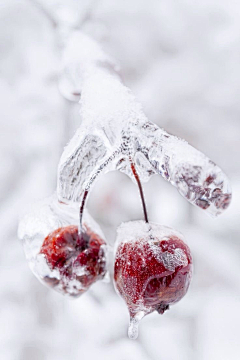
(112, 119)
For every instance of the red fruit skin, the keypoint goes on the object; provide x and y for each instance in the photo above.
(68, 252)
(148, 282)
(59, 246)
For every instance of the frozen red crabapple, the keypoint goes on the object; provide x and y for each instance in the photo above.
(153, 268)
(57, 254)
(78, 260)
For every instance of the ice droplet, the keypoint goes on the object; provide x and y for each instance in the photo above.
(133, 325)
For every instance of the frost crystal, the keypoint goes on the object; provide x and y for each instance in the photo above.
(171, 260)
(114, 131)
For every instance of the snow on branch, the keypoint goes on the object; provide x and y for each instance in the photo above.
(114, 131)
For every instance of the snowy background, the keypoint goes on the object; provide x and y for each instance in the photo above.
(182, 61)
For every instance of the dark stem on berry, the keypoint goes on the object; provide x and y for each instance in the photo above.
(106, 162)
(91, 180)
(140, 190)
(82, 208)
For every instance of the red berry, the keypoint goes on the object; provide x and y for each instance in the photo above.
(153, 268)
(78, 260)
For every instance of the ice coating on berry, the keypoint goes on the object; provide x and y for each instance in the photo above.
(78, 259)
(58, 256)
(153, 268)
(114, 126)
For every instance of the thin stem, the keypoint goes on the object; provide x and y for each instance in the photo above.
(90, 182)
(140, 190)
(104, 164)
(82, 208)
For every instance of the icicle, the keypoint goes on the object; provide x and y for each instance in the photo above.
(133, 325)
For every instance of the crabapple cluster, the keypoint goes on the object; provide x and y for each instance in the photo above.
(65, 248)
(152, 264)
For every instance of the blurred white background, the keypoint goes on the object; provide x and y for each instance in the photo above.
(182, 61)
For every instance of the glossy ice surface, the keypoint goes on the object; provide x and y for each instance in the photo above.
(58, 255)
(153, 268)
(181, 60)
(79, 260)
(114, 129)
